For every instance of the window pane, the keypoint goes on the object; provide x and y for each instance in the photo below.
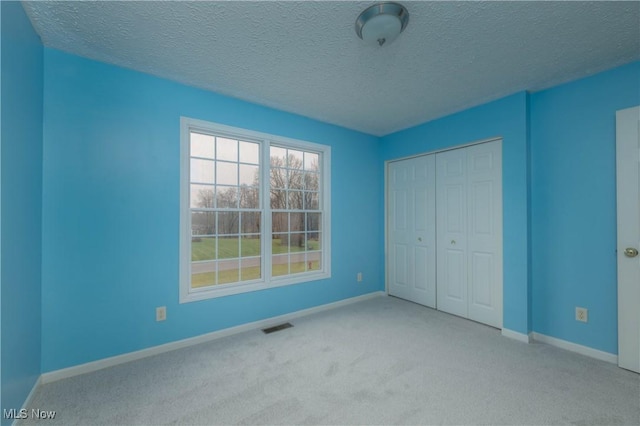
(314, 241)
(202, 171)
(228, 247)
(250, 269)
(311, 181)
(296, 179)
(228, 222)
(314, 261)
(249, 152)
(313, 221)
(203, 223)
(249, 197)
(295, 159)
(311, 201)
(202, 145)
(227, 197)
(250, 245)
(296, 242)
(297, 264)
(202, 196)
(278, 156)
(278, 178)
(280, 243)
(203, 248)
(279, 222)
(249, 175)
(295, 200)
(226, 173)
(278, 199)
(228, 271)
(279, 265)
(311, 161)
(203, 274)
(227, 149)
(250, 222)
(296, 222)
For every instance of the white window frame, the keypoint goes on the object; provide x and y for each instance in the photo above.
(187, 294)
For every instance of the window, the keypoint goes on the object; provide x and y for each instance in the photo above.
(254, 211)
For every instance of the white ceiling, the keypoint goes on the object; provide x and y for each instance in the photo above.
(304, 56)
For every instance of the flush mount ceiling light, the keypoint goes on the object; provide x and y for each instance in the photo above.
(381, 23)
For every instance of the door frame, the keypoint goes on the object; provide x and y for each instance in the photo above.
(386, 203)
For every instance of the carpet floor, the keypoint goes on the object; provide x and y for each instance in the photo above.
(379, 361)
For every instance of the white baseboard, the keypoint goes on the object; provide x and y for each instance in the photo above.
(27, 401)
(521, 337)
(574, 347)
(64, 373)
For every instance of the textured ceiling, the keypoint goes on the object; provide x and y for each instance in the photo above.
(304, 57)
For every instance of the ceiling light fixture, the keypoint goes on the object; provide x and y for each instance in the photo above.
(382, 22)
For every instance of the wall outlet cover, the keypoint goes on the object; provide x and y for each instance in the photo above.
(582, 314)
(161, 313)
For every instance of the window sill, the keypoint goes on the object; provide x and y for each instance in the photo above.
(228, 290)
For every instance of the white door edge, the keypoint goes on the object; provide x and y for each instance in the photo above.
(628, 236)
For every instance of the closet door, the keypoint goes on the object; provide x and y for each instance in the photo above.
(451, 201)
(484, 224)
(469, 236)
(411, 230)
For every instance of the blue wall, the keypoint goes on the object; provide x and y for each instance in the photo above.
(506, 118)
(574, 205)
(21, 205)
(111, 209)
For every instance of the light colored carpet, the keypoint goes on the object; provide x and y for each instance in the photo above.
(381, 361)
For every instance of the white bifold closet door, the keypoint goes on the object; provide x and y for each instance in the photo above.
(469, 232)
(412, 230)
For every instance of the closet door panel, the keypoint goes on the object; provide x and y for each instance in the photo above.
(485, 232)
(411, 230)
(400, 228)
(451, 220)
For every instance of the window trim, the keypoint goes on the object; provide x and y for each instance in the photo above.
(187, 294)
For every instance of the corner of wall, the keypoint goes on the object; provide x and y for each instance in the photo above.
(529, 206)
(21, 112)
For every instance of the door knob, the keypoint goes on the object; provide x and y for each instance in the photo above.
(630, 252)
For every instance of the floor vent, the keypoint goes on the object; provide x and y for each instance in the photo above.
(276, 328)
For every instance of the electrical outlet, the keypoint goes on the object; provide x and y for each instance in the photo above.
(161, 313)
(582, 314)
(359, 277)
